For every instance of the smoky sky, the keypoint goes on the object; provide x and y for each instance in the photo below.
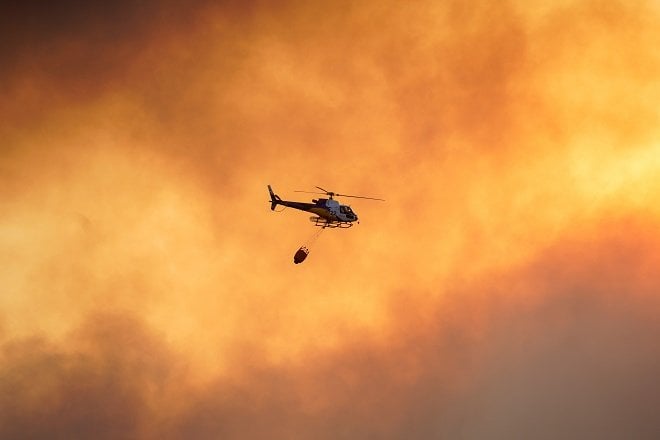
(507, 288)
(579, 361)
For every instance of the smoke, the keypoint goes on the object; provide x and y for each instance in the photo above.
(564, 347)
(505, 289)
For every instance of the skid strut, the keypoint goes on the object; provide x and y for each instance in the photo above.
(323, 223)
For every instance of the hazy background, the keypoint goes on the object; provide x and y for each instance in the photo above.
(508, 288)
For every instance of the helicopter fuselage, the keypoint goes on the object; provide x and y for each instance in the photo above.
(329, 211)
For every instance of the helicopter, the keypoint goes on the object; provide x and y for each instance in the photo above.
(329, 212)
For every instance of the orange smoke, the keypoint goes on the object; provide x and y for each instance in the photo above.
(510, 273)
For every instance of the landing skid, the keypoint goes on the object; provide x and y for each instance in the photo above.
(323, 223)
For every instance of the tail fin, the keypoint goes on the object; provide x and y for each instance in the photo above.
(274, 198)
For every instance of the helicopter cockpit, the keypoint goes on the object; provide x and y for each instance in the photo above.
(347, 211)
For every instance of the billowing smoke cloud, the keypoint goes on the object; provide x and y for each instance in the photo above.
(506, 288)
(564, 347)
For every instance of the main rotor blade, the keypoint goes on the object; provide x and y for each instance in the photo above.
(359, 197)
(332, 194)
(310, 192)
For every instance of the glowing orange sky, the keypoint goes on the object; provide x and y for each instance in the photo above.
(517, 145)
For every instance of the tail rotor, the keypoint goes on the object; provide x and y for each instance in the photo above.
(274, 199)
